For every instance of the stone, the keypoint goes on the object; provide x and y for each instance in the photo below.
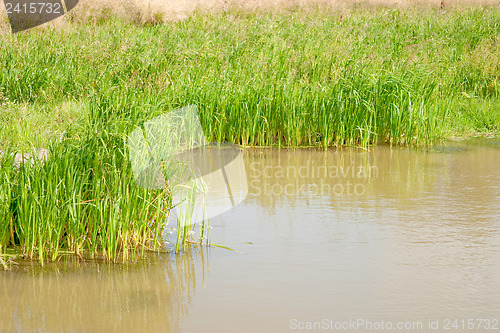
(41, 155)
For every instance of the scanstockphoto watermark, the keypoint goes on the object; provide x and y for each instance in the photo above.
(427, 325)
(358, 324)
(310, 179)
(27, 14)
(204, 179)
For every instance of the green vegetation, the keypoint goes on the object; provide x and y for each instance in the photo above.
(298, 78)
(82, 200)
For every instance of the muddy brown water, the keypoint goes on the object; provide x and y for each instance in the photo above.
(387, 240)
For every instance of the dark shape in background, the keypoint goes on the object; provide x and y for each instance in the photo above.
(70, 4)
(27, 14)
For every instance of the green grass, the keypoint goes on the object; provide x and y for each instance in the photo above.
(32, 125)
(297, 78)
(83, 200)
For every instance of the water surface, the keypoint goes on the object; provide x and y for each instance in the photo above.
(389, 234)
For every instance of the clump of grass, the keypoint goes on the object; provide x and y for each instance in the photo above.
(83, 200)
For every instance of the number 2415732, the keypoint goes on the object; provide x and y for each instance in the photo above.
(34, 8)
(470, 324)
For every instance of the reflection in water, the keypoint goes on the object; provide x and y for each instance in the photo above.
(420, 239)
(153, 294)
(389, 234)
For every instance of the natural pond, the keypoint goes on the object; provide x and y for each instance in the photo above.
(337, 240)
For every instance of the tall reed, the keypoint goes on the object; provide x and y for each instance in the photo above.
(83, 199)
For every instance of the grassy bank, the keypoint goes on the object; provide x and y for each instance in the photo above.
(292, 79)
(295, 78)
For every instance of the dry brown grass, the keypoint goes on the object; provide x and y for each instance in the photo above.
(155, 11)
(164, 10)
(178, 9)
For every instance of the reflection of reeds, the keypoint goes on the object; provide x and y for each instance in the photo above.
(390, 177)
(154, 292)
